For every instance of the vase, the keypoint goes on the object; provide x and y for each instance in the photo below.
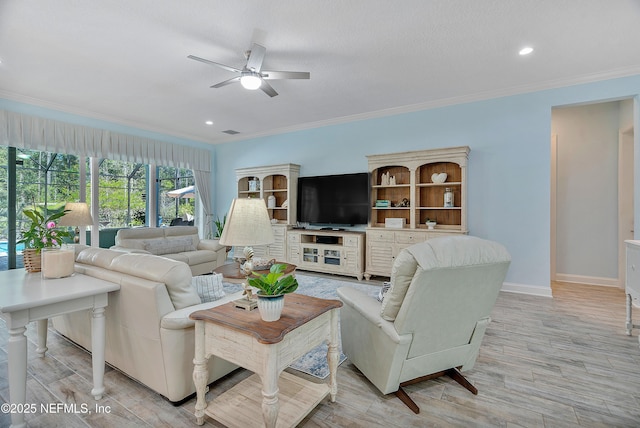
(57, 262)
(31, 260)
(270, 307)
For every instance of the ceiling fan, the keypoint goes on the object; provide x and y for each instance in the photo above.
(251, 76)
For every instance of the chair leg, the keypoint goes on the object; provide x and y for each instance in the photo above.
(453, 373)
(404, 397)
(459, 377)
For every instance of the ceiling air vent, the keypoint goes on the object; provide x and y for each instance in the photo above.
(230, 132)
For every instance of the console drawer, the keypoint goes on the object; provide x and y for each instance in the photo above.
(380, 236)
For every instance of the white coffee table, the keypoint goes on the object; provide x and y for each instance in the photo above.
(26, 297)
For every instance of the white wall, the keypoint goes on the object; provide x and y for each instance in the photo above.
(587, 191)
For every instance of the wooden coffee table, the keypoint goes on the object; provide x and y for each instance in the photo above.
(266, 348)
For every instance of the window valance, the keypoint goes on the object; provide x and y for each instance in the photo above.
(36, 133)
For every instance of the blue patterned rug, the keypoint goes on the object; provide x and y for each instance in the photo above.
(315, 361)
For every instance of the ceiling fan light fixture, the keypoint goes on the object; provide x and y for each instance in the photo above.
(250, 81)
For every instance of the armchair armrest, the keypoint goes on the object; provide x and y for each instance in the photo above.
(210, 244)
(369, 308)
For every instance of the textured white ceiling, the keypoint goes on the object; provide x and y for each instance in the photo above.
(126, 61)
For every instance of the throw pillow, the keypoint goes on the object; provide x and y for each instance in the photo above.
(208, 287)
(161, 246)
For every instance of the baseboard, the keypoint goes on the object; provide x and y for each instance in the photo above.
(511, 287)
(590, 280)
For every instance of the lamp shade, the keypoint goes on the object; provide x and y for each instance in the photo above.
(78, 215)
(247, 224)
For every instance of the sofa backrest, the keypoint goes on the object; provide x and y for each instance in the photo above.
(159, 240)
(174, 274)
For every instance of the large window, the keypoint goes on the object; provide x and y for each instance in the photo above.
(176, 197)
(123, 193)
(47, 181)
(44, 182)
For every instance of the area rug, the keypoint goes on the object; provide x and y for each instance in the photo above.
(314, 362)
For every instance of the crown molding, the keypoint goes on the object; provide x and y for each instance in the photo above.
(393, 111)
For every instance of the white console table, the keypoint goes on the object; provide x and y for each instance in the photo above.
(26, 297)
(632, 283)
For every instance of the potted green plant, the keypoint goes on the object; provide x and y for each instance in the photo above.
(41, 233)
(272, 287)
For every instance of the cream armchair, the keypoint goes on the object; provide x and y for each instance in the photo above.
(432, 319)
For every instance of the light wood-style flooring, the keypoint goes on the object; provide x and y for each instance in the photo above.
(544, 362)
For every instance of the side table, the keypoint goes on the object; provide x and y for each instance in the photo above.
(266, 348)
(26, 297)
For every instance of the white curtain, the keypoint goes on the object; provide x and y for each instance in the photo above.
(36, 133)
(202, 179)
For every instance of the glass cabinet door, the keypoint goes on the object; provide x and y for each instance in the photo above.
(331, 257)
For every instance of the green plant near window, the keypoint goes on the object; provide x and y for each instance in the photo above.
(271, 284)
(42, 232)
(220, 225)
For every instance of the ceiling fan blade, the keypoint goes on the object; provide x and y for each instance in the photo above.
(226, 82)
(254, 62)
(272, 75)
(268, 89)
(206, 61)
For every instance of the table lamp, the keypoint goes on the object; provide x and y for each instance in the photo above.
(78, 215)
(247, 224)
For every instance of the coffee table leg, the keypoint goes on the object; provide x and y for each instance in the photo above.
(270, 405)
(200, 373)
(333, 355)
(42, 337)
(17, 349)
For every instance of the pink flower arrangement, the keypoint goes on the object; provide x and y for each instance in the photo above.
(42, 232)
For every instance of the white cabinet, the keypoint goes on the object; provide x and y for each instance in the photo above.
(384, 245)
(339, 252)
(632, 284)
(278, 186)
(411, 188)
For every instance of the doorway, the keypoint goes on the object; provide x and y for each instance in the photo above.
(592, 173)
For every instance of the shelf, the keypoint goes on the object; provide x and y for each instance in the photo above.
(380, 186)
(390, 208)
(439, 208)
(445, 184)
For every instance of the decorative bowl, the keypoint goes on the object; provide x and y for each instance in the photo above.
(262, 264)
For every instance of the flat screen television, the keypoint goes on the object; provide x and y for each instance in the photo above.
(334, 200)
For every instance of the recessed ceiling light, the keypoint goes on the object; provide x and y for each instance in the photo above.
(526, 51)
(209, 122)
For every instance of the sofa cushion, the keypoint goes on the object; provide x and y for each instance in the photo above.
(175, 275)
(404, 268)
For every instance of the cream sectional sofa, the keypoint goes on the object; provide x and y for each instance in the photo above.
(149, 335)
(180, 243)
